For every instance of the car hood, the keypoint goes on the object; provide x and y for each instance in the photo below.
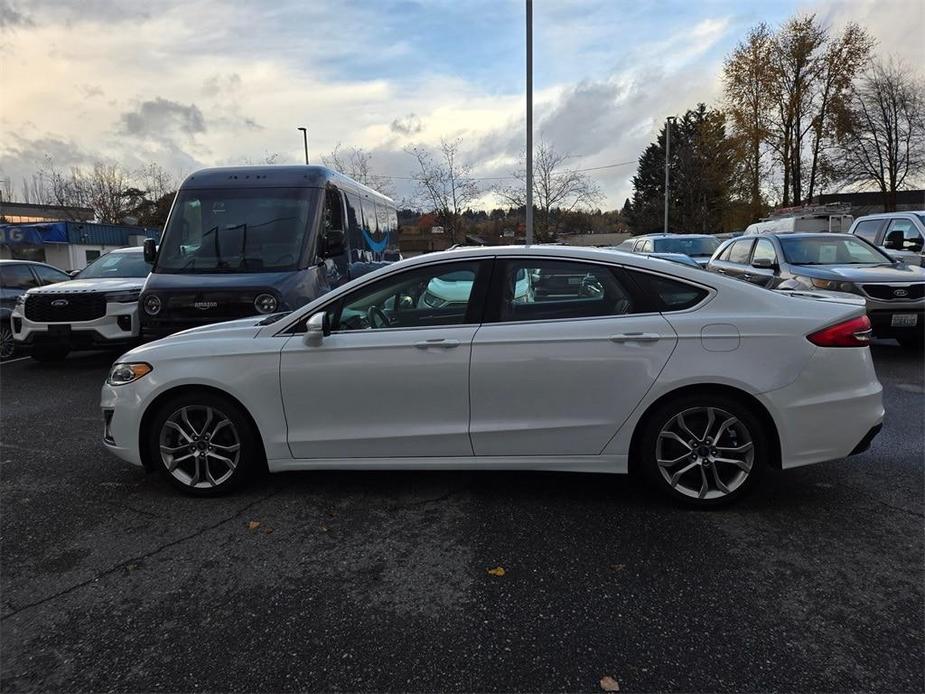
(107, 284)
(863, 273)
(242, 327)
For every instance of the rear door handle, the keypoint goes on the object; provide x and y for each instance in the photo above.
(635, 337)
(439, 342)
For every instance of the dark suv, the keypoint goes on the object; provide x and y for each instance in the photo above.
(16, 278)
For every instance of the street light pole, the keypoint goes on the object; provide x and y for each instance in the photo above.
(305, 141)
(528, 237)
(668, 123)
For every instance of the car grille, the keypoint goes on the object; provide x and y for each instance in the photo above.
(209, 307)
(65, 308)
(892, 292)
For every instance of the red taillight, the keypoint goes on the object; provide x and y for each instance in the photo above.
(852, 333)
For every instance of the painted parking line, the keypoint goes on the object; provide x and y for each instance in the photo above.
(13, 361)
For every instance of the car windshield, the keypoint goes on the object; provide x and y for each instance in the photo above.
(236, 230)
(830, 250)
(697, 245)
(116, 265)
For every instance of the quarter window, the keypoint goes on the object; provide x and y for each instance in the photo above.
(560, 290)
(740, 251)
(673, 295)
(435, 295)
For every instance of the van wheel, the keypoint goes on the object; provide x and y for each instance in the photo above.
(204, 444)
(703, 450)
(46, 354)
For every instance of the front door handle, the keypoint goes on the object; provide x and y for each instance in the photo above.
(635, 337)
(439, 342)
(747, 276)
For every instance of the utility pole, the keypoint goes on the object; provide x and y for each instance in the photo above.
(668, 123)
(528, 238)
(305, 141)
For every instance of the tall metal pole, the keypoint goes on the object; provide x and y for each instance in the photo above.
(529, 220)
(305, 141)
(667, 155)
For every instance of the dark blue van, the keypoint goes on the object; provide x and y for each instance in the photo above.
(262, 239)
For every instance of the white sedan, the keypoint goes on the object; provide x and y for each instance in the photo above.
(610, 363)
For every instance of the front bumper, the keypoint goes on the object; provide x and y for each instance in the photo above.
(119, 326)
(121, 408)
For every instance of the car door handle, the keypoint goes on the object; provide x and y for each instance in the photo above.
(746, 276)
(635, 337)
(440, 342)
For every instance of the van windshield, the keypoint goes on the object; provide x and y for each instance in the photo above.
(236, 230)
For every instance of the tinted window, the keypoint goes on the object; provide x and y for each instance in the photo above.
(673, 295)
(49, 275)
(868, 229)
(764, 250)
(740, 251)
(431, 296)
(116, 265)
(560, 290)
(354, 224)
(17, 277)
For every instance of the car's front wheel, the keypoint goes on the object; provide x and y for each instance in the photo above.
(203, 443)
(704, 450)
(7, 344)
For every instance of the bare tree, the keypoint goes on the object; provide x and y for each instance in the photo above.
(356, 163)
(557, 189)
(444, 184)
(882, 139)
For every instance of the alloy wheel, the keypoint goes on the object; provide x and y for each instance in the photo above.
(200, 446)
(705, 452)
(7, 344)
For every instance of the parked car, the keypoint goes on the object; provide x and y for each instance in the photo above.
(693, 379)
(894, 292)
(673, 257)
(16, 278)
(98, 308)
(242, 241)
(900, 234)
(698, 247)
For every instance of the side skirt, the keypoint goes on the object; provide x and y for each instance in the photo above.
(614, 464)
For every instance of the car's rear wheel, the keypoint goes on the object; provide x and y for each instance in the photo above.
(203, 443)
(7, 343)
(45, 353)
(704, 450)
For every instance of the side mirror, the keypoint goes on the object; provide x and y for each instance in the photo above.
(764, 264)
(331, 243)
(73, 274)
(150, 249)
(316, 329)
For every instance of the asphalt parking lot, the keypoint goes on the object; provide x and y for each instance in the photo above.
(364, 581)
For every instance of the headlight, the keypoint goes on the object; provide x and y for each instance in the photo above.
(266, 303)
(833, 285)
(152, 305)
(21, 300)
(120, 374)
(127, 297)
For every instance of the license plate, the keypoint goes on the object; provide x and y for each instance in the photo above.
(904, 320)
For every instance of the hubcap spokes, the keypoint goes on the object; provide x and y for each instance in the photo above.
(705, 452)
(7, 345)
(200, 446)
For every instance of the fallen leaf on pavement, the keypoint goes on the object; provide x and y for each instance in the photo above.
(617, 567)
(497, 571)
(609, 684)
(253, 525)
(267, 531)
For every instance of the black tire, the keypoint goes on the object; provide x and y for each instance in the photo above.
(748, 424)
(50, 354)
(7, 343)
(914, 343)
(250, 453)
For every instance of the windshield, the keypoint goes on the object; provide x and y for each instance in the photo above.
(236, 230)
(116, 265)
(698, 245)
(835, 250)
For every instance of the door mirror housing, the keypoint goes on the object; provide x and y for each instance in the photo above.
(764, 264)
(316, 329)
(150, 251)
(331, 244)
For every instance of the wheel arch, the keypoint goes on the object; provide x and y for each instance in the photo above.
(745, 398)
(161, 398)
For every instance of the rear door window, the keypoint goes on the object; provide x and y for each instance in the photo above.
(49, 275)
(17, 277)
(740, 251)
(764, 250)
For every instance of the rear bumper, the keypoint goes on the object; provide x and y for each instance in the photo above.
(881, 321)
(822, 414)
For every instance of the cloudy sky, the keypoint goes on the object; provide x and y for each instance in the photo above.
(190, 83)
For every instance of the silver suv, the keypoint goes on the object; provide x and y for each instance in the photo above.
(894, 291)
(900, 234)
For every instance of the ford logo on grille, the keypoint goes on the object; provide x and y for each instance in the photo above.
(59, 303)
(900, 292)
(205, 305)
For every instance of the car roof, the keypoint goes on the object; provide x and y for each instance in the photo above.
(884, 215)
(130, 249)
(10, 261)
(797, 235)
(673, 235)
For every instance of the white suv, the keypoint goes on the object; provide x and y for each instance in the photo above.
(99, 308)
